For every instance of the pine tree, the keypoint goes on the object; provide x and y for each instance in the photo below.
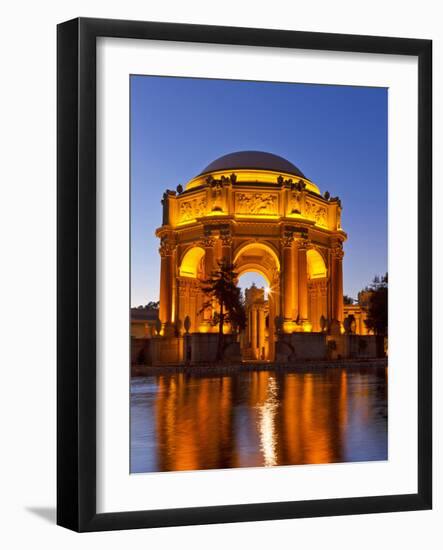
(222, 287)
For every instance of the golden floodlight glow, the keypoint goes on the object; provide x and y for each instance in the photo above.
(316, 264)
(190, 262)
(246, 175)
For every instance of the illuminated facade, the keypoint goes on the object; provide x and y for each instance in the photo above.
(259, 211)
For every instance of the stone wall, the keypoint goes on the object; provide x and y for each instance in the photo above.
(141, 351)
(202, 348)
(352, 346)
(301, 346)
(167, 350)
(310, 346)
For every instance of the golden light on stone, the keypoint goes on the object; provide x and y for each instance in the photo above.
(265, 220)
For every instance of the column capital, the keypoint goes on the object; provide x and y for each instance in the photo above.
(167, 247)
(226, 240)
(207, 242)
(303, 243)
(286, 241)
(337, 251)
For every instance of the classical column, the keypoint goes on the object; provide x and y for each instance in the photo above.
(208, 244)
(287, 275)
(254, 331)
(261, 330)
(338, 286)
(295, 311)
(302, 280)
(331, 295)
(166, 285)
(271, 330)
(226, 247)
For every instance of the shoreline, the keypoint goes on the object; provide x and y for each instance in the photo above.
(250, 366)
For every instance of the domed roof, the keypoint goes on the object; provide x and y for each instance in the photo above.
(258, 160)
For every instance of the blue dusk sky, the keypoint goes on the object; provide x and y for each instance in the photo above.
(336, 135)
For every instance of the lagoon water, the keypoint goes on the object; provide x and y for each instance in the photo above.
(258, 418)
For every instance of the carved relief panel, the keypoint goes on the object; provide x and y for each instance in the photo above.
(316, 212)
(192, 208)
(256, 204)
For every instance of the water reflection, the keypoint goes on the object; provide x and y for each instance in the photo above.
(188, 422)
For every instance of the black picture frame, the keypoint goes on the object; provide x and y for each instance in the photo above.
(76, 266)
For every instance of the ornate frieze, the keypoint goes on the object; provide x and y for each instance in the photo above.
(192, 209)
(256, 204)
(316, 212)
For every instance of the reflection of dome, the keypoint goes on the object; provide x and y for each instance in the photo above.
(257, 160)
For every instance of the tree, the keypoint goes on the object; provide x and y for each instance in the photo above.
(347, 300)
(377, 320)
(222, 287)
(150, 306)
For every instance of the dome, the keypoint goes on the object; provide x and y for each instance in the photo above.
(254, 160)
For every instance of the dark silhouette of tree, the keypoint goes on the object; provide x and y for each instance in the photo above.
(150, 306)
(377, 320)
(347, 300)
(222, 287)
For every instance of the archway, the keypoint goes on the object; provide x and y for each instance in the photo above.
(191, 262)
(257, 261)
(317, 274)
(190, 274)
(254, 340)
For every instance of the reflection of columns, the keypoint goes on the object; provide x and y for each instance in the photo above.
(287, 278)
(302, 280)
(166, 283)
(261, 331)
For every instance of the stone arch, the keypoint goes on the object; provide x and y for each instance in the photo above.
(260, 257)
(317, 287)
(190, 262)
(257, 245)
(316, 265)
(254, 268)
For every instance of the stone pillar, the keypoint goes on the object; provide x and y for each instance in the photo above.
(226, 247)
(208, 244)
(302, 280)
(331, 288)
(166, 286)
(295, 309)
(338, 301)
(287, 276)
(271, 330)
(261, 331)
